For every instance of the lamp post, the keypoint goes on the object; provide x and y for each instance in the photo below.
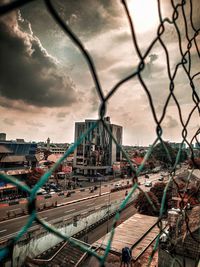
(100, 188)
(65, 181)
(108, 210)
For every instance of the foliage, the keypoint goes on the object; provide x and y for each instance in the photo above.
(34, 176)
(159, 153)
(158, 190)
(144, 207)
(195, 163)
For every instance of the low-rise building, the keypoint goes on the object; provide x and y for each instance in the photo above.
(182, 246)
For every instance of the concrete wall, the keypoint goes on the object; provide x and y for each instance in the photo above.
(166, 260)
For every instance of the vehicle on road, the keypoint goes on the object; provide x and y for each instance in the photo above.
(117, 185)
(52, 192)
(146, 176)
(156, 170)
(41, 191)
(148, 184)
(161, 178)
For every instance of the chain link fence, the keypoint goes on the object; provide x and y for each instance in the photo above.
(183, 65)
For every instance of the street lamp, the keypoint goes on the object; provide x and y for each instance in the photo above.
(108, 211)
(100, 176)
(65, 181)
(100, 188)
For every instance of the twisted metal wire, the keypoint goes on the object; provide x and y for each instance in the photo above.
(185, 59)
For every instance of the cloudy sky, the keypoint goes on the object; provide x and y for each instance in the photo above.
(45, 83)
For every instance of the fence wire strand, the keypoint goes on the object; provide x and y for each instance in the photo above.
(185, 64)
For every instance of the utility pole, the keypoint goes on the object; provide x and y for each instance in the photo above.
(65, 181)
(108, 212)
(100, 188)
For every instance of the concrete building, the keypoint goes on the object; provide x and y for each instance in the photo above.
(2, 137)
(16, 158)
(177, 145)
(97, 152)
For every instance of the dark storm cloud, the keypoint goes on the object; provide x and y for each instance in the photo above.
(87, 17)
(28, 72)
(170, 31)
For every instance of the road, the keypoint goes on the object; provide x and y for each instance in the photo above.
(12, 226)
(9, 227)
(15, 210)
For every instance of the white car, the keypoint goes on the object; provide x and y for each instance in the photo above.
(148, 184)
(117, 185)
(52, 192)
(41, 191)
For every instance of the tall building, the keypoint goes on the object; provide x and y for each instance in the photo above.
(98, 151)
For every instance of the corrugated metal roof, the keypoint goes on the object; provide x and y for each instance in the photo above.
(13, 158)
(4, 150)
(31, 157)
(138, 232)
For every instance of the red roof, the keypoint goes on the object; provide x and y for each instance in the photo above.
(137, 160)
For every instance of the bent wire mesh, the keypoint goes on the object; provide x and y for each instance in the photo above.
(184, 65)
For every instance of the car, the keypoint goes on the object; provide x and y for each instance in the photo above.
(52, 192)
(117, 185)
(161, 178)
(148, 184)
(58, 189)
(41, 191)
(146, 176)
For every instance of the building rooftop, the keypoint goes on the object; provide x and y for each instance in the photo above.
(13, 158)
(137, 233)
(4, 150)
(194, 220)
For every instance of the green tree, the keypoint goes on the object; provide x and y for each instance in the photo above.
(34, 176)
(158, 190)
(159, 153)
(144, 207)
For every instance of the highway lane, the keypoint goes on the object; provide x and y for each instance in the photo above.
(59, 199)
(7, 228)
(66, 212)
(105, 187)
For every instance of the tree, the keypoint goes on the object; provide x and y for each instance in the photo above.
(34, 176)
(159, 153)
(158, 190)
(144, 207)
(195, 163)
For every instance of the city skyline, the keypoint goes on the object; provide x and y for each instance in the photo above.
(45, 85)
